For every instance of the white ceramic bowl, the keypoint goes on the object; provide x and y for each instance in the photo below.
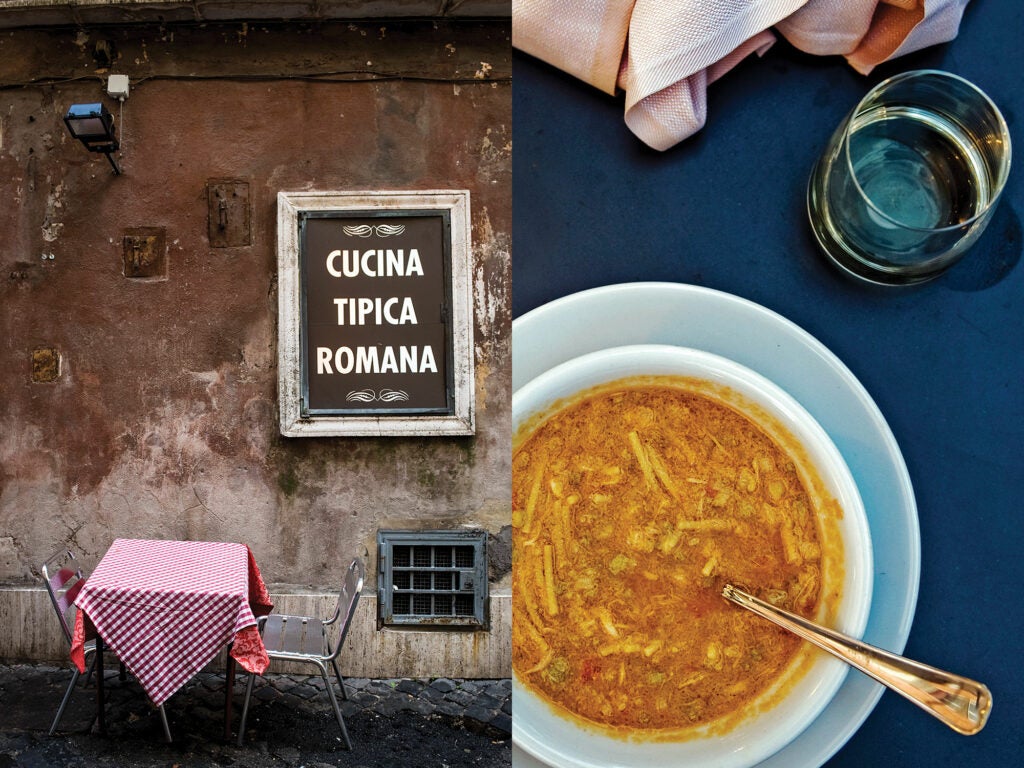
(556, 740)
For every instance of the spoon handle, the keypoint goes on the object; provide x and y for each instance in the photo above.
(961, 703)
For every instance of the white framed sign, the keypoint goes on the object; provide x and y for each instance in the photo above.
(375, 313)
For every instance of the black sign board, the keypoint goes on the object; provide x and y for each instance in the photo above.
(376, 324)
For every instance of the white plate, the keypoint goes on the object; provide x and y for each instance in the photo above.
(686, 315)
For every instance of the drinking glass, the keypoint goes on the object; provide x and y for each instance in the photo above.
(910, 178)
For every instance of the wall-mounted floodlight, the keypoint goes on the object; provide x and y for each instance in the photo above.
(93, 125)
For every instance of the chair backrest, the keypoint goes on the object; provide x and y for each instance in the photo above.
(64, 580)
(351, 588)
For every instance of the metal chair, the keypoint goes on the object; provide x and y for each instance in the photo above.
(306, 640)
(63, 587)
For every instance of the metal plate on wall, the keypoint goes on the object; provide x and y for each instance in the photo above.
(144, 253)
(229, 213)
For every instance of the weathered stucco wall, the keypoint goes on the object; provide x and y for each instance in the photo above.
(23, 13)
(163, 420)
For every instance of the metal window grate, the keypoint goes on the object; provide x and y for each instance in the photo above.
(434, 578)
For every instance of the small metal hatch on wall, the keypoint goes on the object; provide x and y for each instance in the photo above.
(432, 578)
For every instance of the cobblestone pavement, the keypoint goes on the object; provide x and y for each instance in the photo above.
(441, 722)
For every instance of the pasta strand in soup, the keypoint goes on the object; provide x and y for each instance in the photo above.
(632, 508)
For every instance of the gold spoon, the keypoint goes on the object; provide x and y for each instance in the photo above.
(961, 703)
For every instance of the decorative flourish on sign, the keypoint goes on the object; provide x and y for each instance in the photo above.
(361, 396)
(381, 230)
(384, 396)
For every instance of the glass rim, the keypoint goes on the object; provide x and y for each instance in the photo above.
(1004, 132)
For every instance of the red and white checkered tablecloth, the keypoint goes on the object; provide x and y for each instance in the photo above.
(166, 608)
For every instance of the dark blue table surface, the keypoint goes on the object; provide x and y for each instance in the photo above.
(943, 360)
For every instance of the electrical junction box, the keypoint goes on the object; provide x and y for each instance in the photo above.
(117, 87)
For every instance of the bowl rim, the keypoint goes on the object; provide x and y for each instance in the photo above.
(559, 387)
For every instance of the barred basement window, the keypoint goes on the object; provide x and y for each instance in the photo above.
(433, 578)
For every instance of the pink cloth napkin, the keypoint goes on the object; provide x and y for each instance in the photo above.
(664, 53)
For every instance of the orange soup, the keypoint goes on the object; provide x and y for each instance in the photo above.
(631, 510)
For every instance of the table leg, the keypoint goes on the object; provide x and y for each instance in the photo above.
(229, 689)
(101, 720)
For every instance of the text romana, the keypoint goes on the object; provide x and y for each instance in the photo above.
(404, 359)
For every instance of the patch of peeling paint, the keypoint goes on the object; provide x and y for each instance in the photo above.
(491, 283)
(493, 154)
(213, 380)
(481, 373)
(54, 207)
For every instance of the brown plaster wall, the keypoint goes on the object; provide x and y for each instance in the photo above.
(162, 421)
(24, 13)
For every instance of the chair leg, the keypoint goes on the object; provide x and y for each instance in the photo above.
(64, 702)
(229, 694)
(92, 668)
(245, 707)
(337, 710)
(122, 673)
(101, 721)
(341, 680)
(166, 725)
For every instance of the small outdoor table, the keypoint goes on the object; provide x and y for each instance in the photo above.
(166, 608)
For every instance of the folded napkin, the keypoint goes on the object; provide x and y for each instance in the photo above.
(664, 53)
(868, 32)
